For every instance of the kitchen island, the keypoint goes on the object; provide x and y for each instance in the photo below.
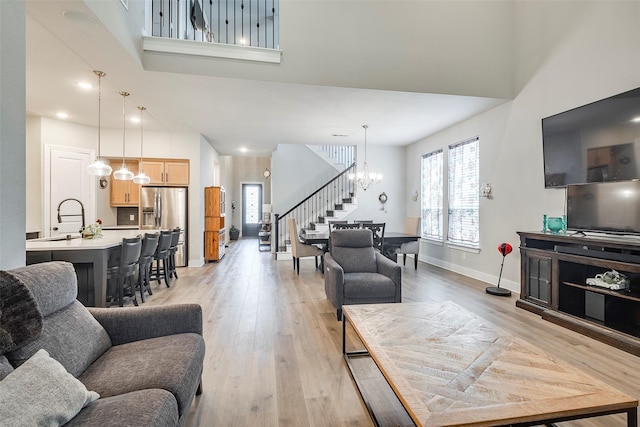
(89, 257)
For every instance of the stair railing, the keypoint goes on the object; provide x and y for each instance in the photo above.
(316, 207)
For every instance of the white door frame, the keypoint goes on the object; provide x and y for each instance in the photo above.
(46, 186)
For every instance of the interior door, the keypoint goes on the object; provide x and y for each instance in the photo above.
(251, 209)
(69, 191)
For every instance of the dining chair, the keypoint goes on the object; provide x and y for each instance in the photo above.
(377, 228)
(362, 221)
(333, 223)
(299, 249)
(411, 226)
(120, 276)
(341, 226)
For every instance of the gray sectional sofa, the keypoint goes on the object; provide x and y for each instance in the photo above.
(137, 366)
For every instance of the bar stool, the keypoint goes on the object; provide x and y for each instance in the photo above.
(162, 259)
(173, 248)
(124, 271)
(147, 253)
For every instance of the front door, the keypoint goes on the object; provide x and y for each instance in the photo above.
(251, 209)
(69, 191)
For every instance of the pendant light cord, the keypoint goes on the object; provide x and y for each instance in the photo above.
(124, 123)
(141, 136)
(100, 75)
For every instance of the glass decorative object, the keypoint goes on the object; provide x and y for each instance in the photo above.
(555, 224)
(544, 223)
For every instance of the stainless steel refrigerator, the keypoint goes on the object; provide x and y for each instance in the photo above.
(164, 208)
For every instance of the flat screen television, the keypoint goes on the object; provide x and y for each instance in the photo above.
(598, 142)
(611, 207)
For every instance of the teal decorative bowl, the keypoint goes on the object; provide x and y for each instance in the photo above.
(554, 224)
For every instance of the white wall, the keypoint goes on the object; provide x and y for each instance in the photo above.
(594, 55)
(298, 171)
(12, 134)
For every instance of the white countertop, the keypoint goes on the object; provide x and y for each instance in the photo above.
(109, 239)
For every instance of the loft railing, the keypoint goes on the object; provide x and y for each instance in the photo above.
(235, 22)
(315, 208)
(340, 154)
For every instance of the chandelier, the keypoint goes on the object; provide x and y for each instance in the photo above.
(365, 179)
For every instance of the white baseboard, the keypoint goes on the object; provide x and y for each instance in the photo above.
(474, 274)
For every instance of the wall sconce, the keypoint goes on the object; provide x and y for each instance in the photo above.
(485, 191)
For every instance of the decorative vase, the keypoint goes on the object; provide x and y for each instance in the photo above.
(555, 224)
(234, 234)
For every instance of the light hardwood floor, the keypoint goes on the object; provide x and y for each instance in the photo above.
(274, 345)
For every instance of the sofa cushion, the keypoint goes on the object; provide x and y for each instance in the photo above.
(172, 363)
(20, 319)
(54, 285)
(368, 286)
(353, 250)
(144, 408)
(71, 335)
(5, 367)
(41, 393)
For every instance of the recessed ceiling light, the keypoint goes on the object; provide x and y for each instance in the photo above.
(135, 119)
(340, 135)
(85, 85)
(243, 149)
(636, 119)
(62, 115)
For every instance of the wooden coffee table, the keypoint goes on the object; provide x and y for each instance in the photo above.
(448, 367)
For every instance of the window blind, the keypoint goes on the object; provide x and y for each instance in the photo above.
(464, 205)
(432, 195)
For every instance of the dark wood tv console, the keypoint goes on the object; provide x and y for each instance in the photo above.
(554, 272)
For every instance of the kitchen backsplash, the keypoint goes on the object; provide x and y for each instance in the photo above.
(127, 216)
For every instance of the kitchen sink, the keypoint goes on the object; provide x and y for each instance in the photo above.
(58, 238)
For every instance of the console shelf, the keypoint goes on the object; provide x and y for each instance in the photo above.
(554, 273)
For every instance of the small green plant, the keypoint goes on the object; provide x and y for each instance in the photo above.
(233, 229)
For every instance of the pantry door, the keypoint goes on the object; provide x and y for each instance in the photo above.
(65, 177)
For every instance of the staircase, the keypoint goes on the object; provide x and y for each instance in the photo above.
(333, 201)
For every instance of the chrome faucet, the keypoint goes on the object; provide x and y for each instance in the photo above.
(80, 214)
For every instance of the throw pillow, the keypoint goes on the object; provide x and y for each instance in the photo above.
(40, 392)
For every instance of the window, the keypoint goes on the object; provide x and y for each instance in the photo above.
(464, 205)
(432, 197)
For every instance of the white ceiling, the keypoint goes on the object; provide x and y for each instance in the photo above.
(230, 113)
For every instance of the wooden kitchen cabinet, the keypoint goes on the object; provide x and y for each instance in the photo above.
(167, 172)
(124, 193)
(214, 227)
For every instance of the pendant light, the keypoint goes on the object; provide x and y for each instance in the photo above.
(141, 178)
(123, 174)
(366, 179)
(99, 167)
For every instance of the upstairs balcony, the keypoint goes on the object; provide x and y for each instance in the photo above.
(233, 29)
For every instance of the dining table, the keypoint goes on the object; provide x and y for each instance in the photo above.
(392, 240)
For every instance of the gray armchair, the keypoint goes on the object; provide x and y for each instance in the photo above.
(357, 274)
